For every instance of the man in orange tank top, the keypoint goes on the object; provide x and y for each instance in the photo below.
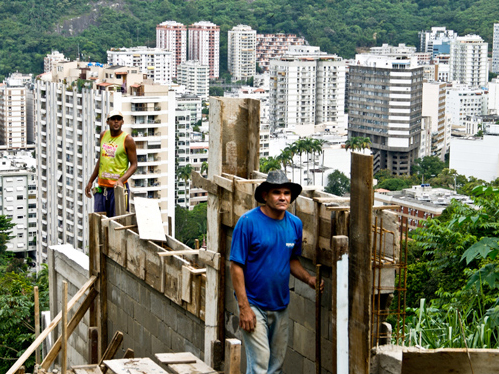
(116, 163)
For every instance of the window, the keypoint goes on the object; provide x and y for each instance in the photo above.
(20, 197)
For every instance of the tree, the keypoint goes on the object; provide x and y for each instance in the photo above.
(428, 166)
(269, 163)
(285, 158)
(204, 168)
(184, 173)
(337, 183)
(190, 224)
(6, 227)
(358, 143)
(216, 91)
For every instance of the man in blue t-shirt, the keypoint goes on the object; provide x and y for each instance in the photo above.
(266, 243)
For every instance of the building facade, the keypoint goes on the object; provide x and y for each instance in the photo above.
(495, 49)
(51, 59)
(155, 63)
(204, 46)
(462, 102)
(70, 118)
(434, 94)
(241, 50)
(172, 36)
(385, 104)
(195, 78)
(274, 46)
(436, 41)
(16, 113)
(18, 202)
(469, 62)
(307, 88)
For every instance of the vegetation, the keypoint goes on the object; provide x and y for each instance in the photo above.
(337, 183)
(191, 224)
(31, 29)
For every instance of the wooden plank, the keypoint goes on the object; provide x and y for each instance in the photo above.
(232, 356)
(102, 289)
(115, 218)
(200, 182)
(197, 367)
(149, 219)
(447, 361)
(176, 358)
(93, 345)
(112, 347)
(20, 361)
(120, 200)
(64, 334)
(134, 366)
(225, 183)
(210, 258)
(324, 200)
(359, 273)
(186, 284)
(179, 253)
(87, 369)
(175, 244)
(129, 353)
(386, 207)
(125, 227)
(338, 208)
(37, 321)
(77, 317)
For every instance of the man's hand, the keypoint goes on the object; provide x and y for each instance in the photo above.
(119, 182)
(88, 190)
(247, 318)
(313, 280)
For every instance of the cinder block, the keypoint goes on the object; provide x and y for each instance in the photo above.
(326, 324)
(112, 311)
(185, 326)
(291, 330)
(115, 295)
(131, 287)
(189, 347)
(151, 324)
(171, 316)
(293, 363)
(164, 334)
(326, 354)
(128, 305)
(198, 336)
(302, 310)
(178, 344)
(303, 339)
(304, 290)
(308, 366)
(158, 305)
(158, 346)
(326, 297)
(145, 297)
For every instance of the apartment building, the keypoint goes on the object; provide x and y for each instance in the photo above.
(434, 94)
(495, 49)
(493, 98)
(195, 78)
(462, 102)
(469, 62)
(274, 46)
(307, 88)
(241, 49)
(390, 50)
(204, 46)
(51, 60)
(155, 63)
(385, 103)
(16, 112)
(172, 36)
(18, 201)
(436, 41)
(71, 106)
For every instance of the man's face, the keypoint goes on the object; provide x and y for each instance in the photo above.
(115, 123)
(277, 198)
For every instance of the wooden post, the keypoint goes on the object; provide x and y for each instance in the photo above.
(120, 200)
(37, 322)
(232, 356)
(64, 353)
(102, 281)
(340, 305)
(318, 279)
(359, 277)
(93, 346)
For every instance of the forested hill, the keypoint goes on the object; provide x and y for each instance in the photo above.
(29, 29)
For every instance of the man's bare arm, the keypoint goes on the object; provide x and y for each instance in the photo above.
(247, 318)
(131, 151)
(300, 273)
(95, 173)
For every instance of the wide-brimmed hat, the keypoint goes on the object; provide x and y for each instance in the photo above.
(276, 179)
(114, 113)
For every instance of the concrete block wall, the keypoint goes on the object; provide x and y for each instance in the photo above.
(300, 355)
(70, 265)
(150, 322)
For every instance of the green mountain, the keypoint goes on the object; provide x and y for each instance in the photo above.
(29, 29)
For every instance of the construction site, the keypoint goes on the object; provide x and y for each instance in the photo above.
(142, 302)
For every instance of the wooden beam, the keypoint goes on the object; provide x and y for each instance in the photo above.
(37, 322)
(120, 198)
(386, 207)
(119, 228)
(64, 342)
(179, 253)
(232, 356)
(117, 217)
(112, 347)
(225, 183)
(359, 273)
(20, 361)
(77, 317)
(176, 358)
(205, 184)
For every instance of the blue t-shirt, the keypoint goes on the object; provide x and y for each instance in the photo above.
(263, 246)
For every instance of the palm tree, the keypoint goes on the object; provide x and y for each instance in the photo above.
(285, 158)
(300, 148)
(293, 149)
(316, 147)
(269, 163)
(365, 143)
(308, 144)
(184, 172)
(204, 168)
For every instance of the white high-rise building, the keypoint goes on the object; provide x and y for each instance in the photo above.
(462, 102)
(156, 63)
(469, 62)
(18, 201)
(385, 103)
(495, 49)
(195, 78)
(434, 94)
(493, 107)
(204, 46)
(241, 49)
(70, 118)
(52, 59)
(16, 112)
(274, 46)
(390, 50)
(307, 88)
(172, 36)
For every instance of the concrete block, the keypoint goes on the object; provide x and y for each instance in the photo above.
(189, 347)
(326, 354)
(308, 366)
(164, 334)
(327, 295)
(158, 305)
(171, 315)
(326, 324)
(386, 359)
(293, 363)
(151, 324)
(145, 296)
(305, 290)
(185, 326)
(131, 287)
(198, 336)
(303, 339)
(115, 295)
(158, 346)
(112, 311)
(178, 344)
(302, 310)
(128, 305)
